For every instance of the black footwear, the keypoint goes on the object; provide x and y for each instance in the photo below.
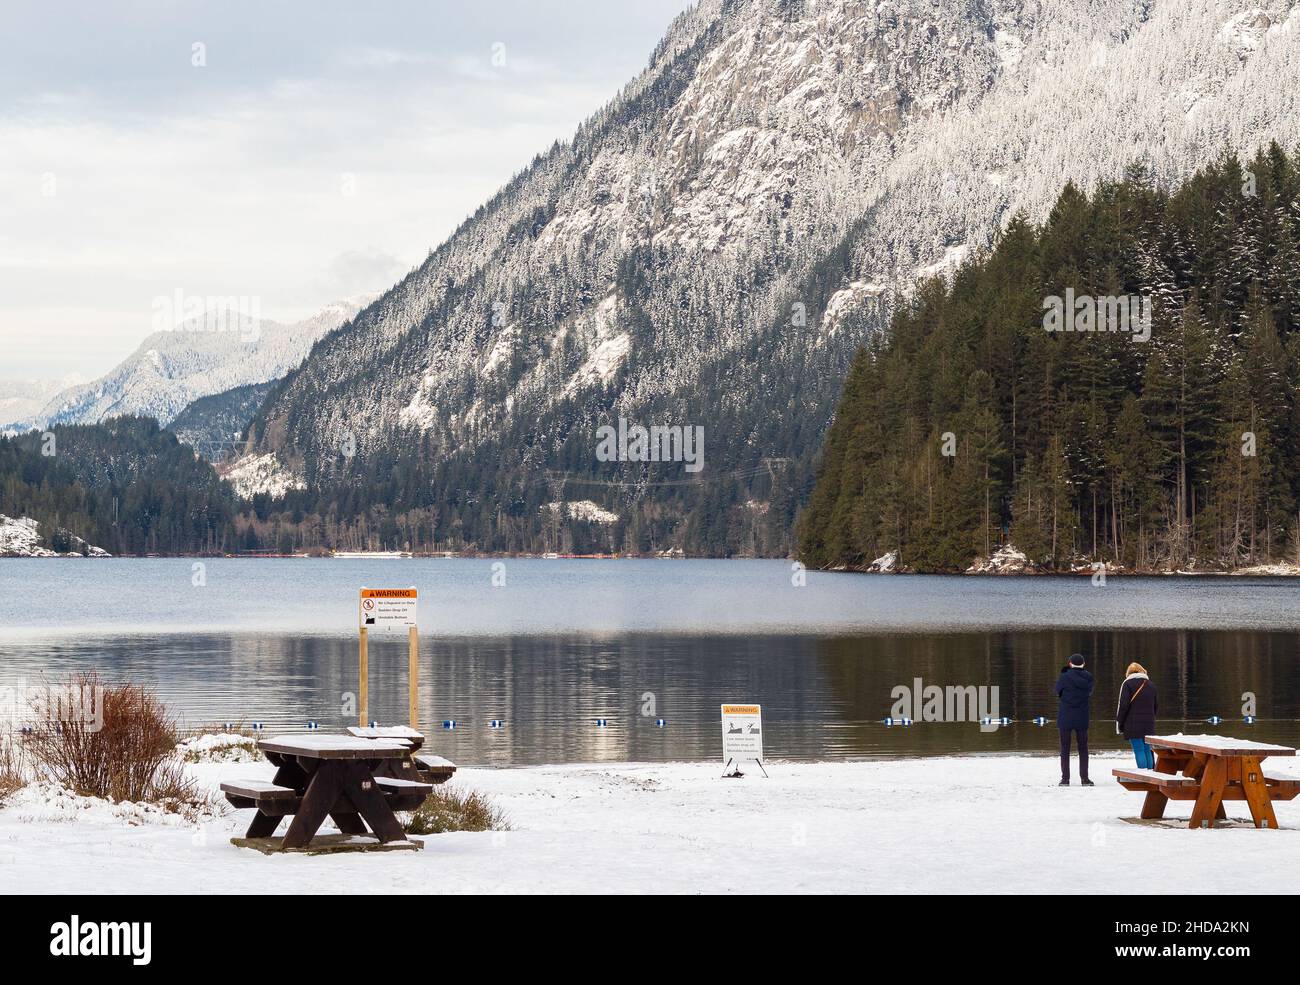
(1086, 783)
(1064, 783)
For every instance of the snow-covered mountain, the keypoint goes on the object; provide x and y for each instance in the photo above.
(22, 400)
(203, 355)
(712, 246)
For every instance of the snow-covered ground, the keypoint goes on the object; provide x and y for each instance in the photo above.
(978, 824)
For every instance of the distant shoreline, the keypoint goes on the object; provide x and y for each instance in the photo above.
(1271, 570)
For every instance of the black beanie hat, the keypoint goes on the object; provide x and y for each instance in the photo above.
(1076, 659)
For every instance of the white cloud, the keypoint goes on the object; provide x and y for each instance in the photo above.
(293, 171)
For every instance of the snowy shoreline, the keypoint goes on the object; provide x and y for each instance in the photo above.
(973, 824)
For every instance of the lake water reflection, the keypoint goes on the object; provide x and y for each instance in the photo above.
(567, 642)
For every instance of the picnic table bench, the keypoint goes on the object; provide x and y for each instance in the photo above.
(353, 780)
(1210, 769)
(431, 769)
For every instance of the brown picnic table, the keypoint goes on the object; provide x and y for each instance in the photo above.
(1210, 769)
(356, 781)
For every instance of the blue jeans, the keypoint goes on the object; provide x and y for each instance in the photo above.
(1146, 759)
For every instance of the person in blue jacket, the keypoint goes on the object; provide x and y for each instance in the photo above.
(1074, 691)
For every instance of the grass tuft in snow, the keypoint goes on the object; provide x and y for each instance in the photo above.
(451, 810)
(215, 746)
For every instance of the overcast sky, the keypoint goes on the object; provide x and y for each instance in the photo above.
(317, 151)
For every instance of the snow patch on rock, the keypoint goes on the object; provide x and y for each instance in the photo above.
(608, 347)
(1243, 32)
(953, 257)
(885, 564)
(845, 300)
(21, 537)
(262, 474)
(420, 412)
(1010, 49)
(584, 509)
(1006, 560)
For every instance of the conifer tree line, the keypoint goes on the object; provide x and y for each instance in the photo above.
(1086, 447)
(125, 485)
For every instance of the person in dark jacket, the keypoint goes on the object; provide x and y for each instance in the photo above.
(1136, 714)
(1074, 689)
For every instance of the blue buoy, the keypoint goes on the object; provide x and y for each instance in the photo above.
(601, 722)
(987, 720)
(1249, 719)
(1040, 720)
(313, 725)
(890, 722)
(228, 726)
(257, 726)
(374, 725)
(1214, 719)
(450, 723)
(496, 723)
(661, 723)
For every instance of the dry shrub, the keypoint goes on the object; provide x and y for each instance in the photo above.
(125, 750)
(450, 810)
(13, 772)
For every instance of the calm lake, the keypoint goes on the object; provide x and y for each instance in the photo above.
(549, 646)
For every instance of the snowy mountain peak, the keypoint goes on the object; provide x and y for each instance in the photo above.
(209, 352)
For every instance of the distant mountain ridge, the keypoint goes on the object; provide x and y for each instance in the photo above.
(204, 355)
(22, 400)
(712, 246)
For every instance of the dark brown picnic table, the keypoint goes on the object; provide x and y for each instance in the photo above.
(355, 781)
(1210, 769)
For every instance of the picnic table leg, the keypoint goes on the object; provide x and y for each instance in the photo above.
(1195, 768)
(262, 825)
(348, 823)
(1210, 800)
(1153, 807)
(1256, 793)
(323, 790)
(359, 785)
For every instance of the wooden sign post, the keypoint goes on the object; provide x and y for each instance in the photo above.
(363, 692)
(389, 609)
(413, 674)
